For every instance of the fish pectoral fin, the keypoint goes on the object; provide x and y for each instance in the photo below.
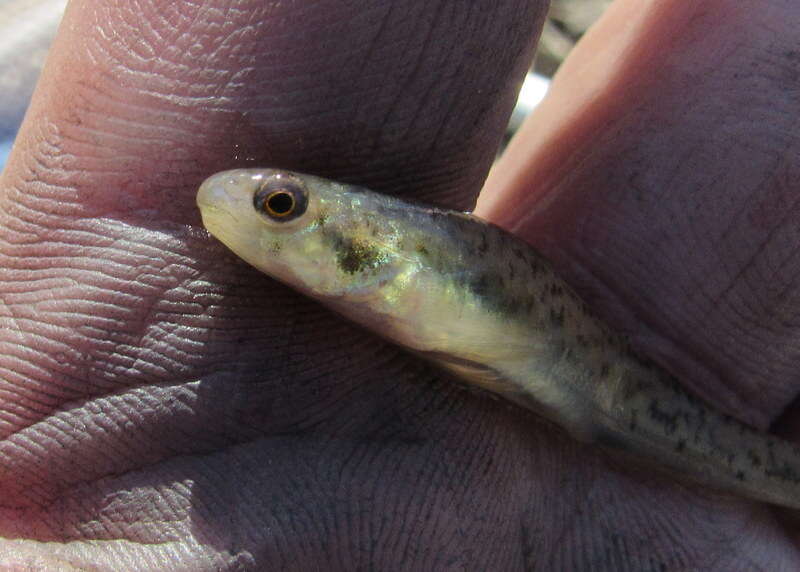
(476, 373)
(480, 375)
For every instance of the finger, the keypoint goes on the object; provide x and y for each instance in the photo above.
(658, 175)
(649, 176)
(148, 372)
(153, 100)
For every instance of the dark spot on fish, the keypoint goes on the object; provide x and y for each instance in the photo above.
(668, 420)
(322, 218)
(512, 271)
(740, 475)
(421, 249)
(483, 245)
(680, 445)
(557, 316)
(605, 369)
(517, 251)
(358, 255)
(480, 285)
(784, 472)
(529, 305)
(755, 459)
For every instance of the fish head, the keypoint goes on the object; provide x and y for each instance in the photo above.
(320, 237)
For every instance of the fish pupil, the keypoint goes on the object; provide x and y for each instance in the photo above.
(280, 203)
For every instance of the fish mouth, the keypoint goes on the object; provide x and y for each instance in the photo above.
(218, 220)
(217, 208)
(212, 195)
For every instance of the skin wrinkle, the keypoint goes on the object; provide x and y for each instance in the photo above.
(75, 484)
(414, 74)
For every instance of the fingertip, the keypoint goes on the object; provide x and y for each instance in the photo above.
(590, 86)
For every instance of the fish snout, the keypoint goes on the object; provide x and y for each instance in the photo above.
(218, 191)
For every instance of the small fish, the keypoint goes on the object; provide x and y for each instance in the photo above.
(480, 302)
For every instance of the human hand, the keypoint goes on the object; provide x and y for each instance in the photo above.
(166, 407)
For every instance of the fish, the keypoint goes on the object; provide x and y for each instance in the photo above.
(483, 304)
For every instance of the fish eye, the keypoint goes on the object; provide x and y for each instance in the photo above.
(281, 199)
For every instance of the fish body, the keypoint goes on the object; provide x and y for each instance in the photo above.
(480, 302)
